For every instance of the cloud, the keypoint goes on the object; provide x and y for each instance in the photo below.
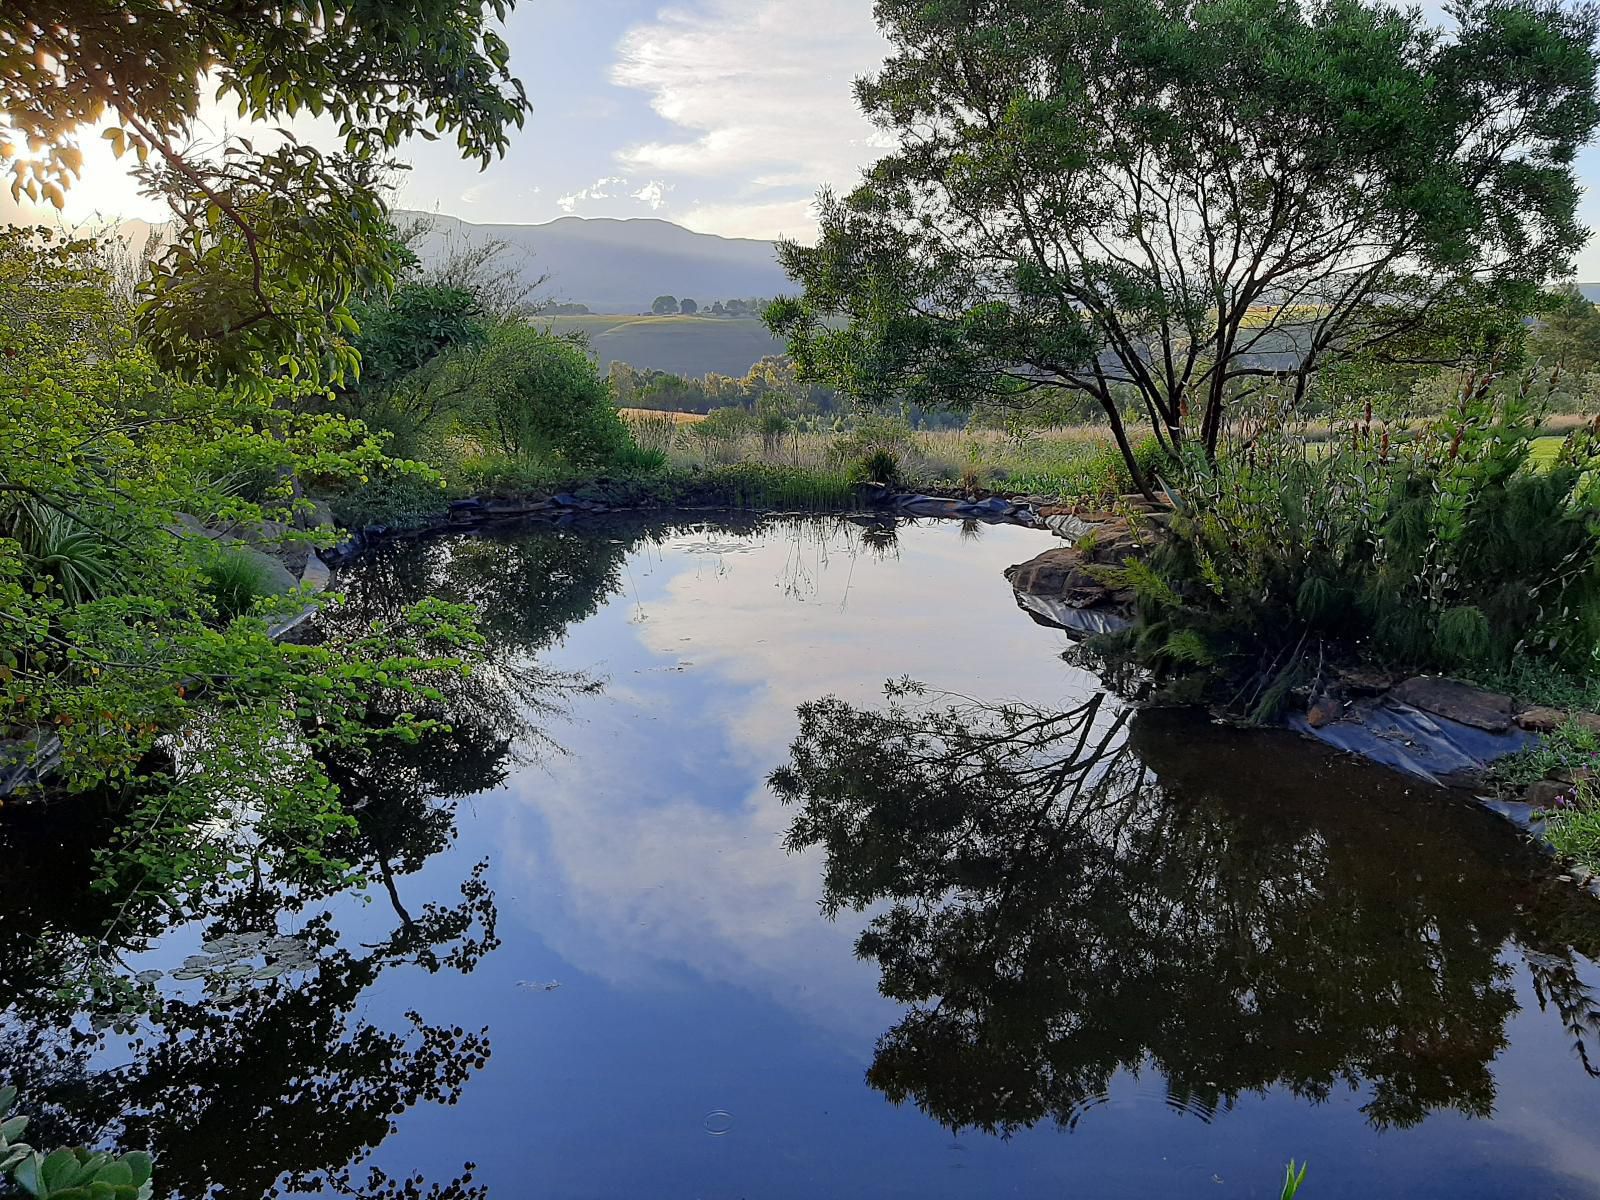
(794, 219)
(653, 193)
(600, 189)
(762, 93)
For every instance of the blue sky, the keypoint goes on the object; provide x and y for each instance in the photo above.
(722, 115)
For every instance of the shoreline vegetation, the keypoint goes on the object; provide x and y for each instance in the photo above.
(1256, 304)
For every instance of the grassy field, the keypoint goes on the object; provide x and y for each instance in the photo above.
(689, 346)
(645, 414)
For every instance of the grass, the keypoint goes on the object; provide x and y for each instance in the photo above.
(690, 346)
(1569, 748)
(646, 414)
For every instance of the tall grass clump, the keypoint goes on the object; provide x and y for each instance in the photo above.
(1449, 551)
(771, 486)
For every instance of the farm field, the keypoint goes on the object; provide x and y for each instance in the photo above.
(688, 346)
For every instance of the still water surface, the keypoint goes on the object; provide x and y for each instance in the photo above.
(1000, 937)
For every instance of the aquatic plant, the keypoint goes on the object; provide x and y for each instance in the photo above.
(68, 1174)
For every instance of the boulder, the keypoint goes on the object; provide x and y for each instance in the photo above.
(929, 506)
(1458, 701)
(1540, 719)
(1589, 721)
(1324, 710)
(275, 576)
(315, 517)
(1544, 793)
(316, 575)
(1059, 574)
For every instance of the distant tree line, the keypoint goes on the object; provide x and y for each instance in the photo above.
(667, 305)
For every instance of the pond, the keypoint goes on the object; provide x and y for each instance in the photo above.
(685, 904)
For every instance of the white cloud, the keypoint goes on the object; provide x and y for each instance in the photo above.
(600, 189)
(653, 193)
(762, 91)
(794, 219)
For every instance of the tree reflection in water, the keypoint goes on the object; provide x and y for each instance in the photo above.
(266, 1073)
(1066, 895)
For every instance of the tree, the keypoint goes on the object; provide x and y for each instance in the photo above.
(1184, 203)
(270, 244)
(662, 305)
(717, 308)
(1568, 332)
(688, 307)
(1059, 896)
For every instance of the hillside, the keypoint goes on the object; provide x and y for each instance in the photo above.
(618, 266)
(689, 346)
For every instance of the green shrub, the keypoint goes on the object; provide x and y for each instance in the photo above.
(1449, 552)
(234, 579)
(398, 499)
(635, 460)
(545, 400)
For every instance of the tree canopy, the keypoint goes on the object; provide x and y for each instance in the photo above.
(271, 243)
(1166, 204)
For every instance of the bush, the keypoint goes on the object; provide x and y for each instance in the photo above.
(399, 499)
(234, 579)
(545, 399)
(1448, 552)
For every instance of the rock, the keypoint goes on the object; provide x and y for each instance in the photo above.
(276, 577)
(1457, 701)
(1589, 721)
(1365, 681)
(317, 516)
(1059, 575)
(1324, 710)
(929, 506)
(316, 575)
(1545, 793)
(1540, 719)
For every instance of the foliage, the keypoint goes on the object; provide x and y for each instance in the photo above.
(1185, 201)
(1293, 1180)
(271, 244)
(234, 577)
(1568, 332)
(1447, 551)
(543, 398)
(94, 432)
(1567, 750)
(75, 1174)
(662, 305)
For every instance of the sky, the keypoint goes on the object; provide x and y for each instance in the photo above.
(725, 116)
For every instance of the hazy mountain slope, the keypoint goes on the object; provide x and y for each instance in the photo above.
(689, 346)
(621, 266)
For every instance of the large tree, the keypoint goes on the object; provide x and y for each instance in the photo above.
(270, 243)
(1163, 204)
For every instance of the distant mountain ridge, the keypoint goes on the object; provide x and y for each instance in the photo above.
(620, 266)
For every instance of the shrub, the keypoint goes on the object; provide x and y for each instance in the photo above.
(234, 579)
(545, 399)
(1447, 552)
(396, 498)
(720, 434)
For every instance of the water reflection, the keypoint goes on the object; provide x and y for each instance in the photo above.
(259, 1069)
(1063, 895)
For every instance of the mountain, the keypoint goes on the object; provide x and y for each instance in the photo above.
(617, 266)
(1591, 292)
